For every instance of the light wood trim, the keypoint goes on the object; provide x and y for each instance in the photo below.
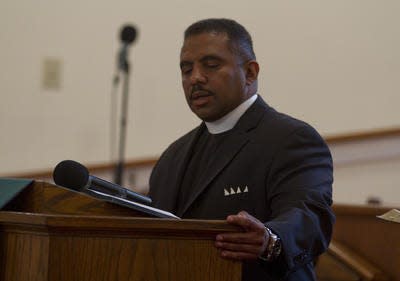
(364, 135)
(123, 226)
(151, 161)
(95, 168)
(368, 211)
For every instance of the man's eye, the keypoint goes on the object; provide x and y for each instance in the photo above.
(212, 65)
(186, 69)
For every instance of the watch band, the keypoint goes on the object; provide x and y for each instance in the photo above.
(274, 247)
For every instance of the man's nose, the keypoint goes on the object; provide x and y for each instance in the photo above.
(197, 76)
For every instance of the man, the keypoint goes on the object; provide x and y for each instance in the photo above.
(262, 170)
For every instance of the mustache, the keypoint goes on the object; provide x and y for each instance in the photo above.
(198, 88)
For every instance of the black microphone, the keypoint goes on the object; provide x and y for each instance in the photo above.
(127, 36)
(73, 175)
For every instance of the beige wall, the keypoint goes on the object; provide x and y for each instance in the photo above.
(367, 168)
(334, 64)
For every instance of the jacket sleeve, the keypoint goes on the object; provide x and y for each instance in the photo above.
(299, 192)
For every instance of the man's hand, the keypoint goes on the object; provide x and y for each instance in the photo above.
(247, 245)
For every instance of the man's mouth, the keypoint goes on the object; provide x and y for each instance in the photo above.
(200, 98)
(199, 94)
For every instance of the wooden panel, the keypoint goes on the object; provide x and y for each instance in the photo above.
(112, 248)
(88, 258)
(24, 256)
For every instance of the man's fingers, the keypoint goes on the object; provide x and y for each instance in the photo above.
(246, 221)
(245, 245)
(239, 256)
(234, 247)
(242, 237)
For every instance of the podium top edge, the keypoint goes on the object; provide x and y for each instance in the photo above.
(114, 224)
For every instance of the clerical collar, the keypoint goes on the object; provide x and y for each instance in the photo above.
(229, 121)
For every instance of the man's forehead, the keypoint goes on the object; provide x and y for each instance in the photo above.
(204, 43)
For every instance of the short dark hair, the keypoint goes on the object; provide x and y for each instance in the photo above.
(240, 40)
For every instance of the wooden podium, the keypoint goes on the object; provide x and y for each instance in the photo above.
(48, 233)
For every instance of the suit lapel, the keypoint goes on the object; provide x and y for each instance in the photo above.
(182, 163)
(230, 148)
(225, 154)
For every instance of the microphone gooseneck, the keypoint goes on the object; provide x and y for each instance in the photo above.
(75, 176)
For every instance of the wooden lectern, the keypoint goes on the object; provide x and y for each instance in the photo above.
(48, 233)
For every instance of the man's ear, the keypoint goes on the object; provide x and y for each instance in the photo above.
(252, 69)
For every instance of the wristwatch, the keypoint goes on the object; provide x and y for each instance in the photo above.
(274, 247)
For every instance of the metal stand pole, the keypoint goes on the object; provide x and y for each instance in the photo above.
(119, 170)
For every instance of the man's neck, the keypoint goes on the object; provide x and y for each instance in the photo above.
(229, 121)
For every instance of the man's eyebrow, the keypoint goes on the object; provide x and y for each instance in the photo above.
(203, 59)
(210, 57)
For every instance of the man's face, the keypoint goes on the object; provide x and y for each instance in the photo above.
(213, 78)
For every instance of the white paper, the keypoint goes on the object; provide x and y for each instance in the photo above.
(393, 215)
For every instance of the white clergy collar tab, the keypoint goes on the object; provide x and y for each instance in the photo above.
(229, 121)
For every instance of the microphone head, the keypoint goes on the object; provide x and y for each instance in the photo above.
(71, 174)
(128, 34)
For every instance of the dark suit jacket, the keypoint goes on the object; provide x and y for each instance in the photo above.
(283, 170)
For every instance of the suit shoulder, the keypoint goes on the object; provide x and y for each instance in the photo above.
(282, 126)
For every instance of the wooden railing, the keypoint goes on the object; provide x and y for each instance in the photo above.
(340, 263)
(150, 162)
(364, 247)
